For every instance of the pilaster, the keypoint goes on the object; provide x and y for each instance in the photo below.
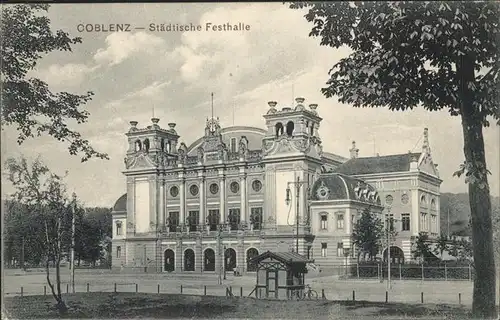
(182, 198)
(202, 187)
(243, 194)
(222, 202)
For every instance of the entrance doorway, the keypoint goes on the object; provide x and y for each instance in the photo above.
(209, 260)
(230, 259)
(169, 260)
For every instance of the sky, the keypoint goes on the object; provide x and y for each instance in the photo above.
(135, 75)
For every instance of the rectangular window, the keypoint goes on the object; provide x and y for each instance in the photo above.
(340, 249)
(390, 220)
(324, 222)
(340, 221)
(233, 145)
(173, 221)
(405, 222)
(234, 218)
(193, 218)
(119, 228)
(323, 249)
(256, 218)
(433, 223)
(213, 219)
(118, 252)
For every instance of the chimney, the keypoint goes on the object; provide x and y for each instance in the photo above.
(354, 151)
(413, 163)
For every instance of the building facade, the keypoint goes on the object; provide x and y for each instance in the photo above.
(239, 191)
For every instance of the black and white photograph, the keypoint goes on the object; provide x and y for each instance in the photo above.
(251, 160)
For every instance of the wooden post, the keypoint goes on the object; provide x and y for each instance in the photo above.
(241, 291)
(378, 270)
(353, 295)
(357, 269)
(386, 297)
(459, 298)
(400, 273)
(158, 288)
(22, 291)
(136, 288)
(44, 290)
(205, 291)
(445, 272)
(88, 287)
(181, 288)
(115, 286)
(422, 297)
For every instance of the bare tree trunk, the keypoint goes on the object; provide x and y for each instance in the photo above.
(483, 304)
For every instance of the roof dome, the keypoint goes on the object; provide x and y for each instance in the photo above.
(335, 186)
(121, 204)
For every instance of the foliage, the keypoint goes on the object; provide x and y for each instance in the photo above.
(367, 235)
(421, 249)
(44, 193)
(92, 229)
(441, 245)
(27, 103)
(435, 55)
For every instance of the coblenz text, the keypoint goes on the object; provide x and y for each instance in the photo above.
(101, 27)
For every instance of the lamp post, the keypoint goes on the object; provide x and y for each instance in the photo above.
(298, 184)
(389, 223)
(221, 255)
(224, 264)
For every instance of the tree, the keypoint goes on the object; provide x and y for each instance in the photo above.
(27, 103)
(441, 245)
(422, 249)
(367, 235)
(465, 250)
(435, 55)
(44, 194)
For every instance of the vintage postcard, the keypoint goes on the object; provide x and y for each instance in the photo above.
(250, 160)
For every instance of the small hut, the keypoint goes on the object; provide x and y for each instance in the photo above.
(280, 275)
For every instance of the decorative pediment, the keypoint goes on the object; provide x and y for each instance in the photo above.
(425, 164)
(139, 161)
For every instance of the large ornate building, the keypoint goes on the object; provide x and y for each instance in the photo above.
(238, 191)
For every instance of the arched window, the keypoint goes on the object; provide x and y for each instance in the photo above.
(422, 200)
(119, 228)
(433, 204)
(251, 253)
(146, 145)
(289, 128)
(279, 129)
(138, 145)
(209, 260)
(189, 260)
(168, 146)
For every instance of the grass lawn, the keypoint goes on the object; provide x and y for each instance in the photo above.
(162, 306)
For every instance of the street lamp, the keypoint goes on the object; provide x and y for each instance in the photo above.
(298, 184)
